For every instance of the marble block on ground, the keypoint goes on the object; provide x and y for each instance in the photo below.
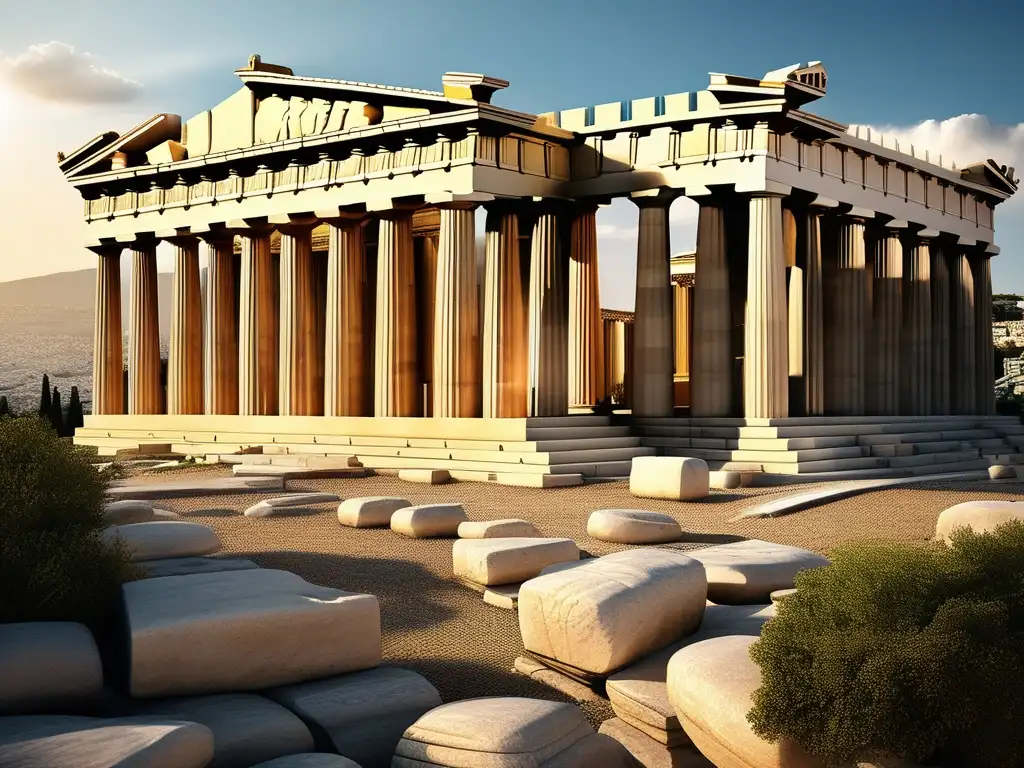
(503, 596)
(639, 694)
(979, 516)
(781, 594)
(507, 732)
(243, 630)
(605, 613)
(370, 511)
(1002, 472)
(165, 514)
(310, 760)
(162, 539)
(246, 728)
(726, 480)
(649, 752)
(710, 685)
(61, 741)
(285, 505)
(498, 529)
(492, 562)
(632, 526)
(427, 476)
(747, 572)
(429, 520)
(676, 478)
(127, 511)
(48, 666)
(186, 566)
(361, 715)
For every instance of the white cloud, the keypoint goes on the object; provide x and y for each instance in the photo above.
(55, 71)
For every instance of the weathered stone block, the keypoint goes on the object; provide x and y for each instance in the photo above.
(127, 511)
(370, 511)
(605, 613)
(243, 630)
(428, 520)
(632, 526)
(505, 561)
(669, 477)
(428, 476)
(162, 539)
(979, 516)
(507, 733)
(310, 760)
(287, 505)
(498, 529)
(187, 566)
(48, 666)
(747, 572)
(361, 715)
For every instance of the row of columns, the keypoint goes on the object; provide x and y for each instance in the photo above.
(288, 349)
(870, 320)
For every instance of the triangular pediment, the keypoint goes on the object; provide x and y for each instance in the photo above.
(98, 155)
(991, 175)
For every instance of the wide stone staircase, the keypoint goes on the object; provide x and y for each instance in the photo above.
(841, 447)
(541, 452)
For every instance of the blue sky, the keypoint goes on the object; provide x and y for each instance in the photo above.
(897, 64)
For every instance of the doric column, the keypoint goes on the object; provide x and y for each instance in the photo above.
(300, 383)
(766, 360)
(916, 368)
(712, 358)
(794, 294)
(984, 353)
(682, 312)
(615, 355)
(886, 318)
(185, 360)
(221, 332)
(586, 336)
(257, 327)
(145, 393)
(548, 321)
(346, 360)
(963, 358)
(814, 322)
(395, 337)
(652, 381)
(108, 349)
(942, 331)
(504, 336)
(845, 313)
(456, 377)
(425, 255)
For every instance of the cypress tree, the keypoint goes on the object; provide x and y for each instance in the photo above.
(44, 399)
(56, 414)
(5, 408)
(75, 417)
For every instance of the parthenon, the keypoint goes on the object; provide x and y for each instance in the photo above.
(837, 272)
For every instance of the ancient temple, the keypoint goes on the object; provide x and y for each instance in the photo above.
(838, 274)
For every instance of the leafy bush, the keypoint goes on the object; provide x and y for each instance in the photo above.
(902, 652)
(54, 565)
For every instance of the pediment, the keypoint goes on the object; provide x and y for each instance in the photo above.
(992, 175)
(97, 155)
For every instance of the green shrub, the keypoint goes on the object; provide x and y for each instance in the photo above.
(902, 651)
(54, 565)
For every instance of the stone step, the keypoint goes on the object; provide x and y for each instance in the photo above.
(923, 459)
(795, 443)
(551, 422)
(888, 451)
(804, 421)
(960, 466)
(573, 433)
(1015, 440)
(988, 442)
(939, 446)
(829, 465)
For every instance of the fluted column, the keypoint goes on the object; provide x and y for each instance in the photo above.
(346, 360)
(548, 321)
(185, 360)
(765, 355)
(586, 337)
(300, 383)
(108, 349)
(221, 331)
(984, 353)
(916, 369)
(814, 320)
(682, 312)
(145, 393)
(504, 334)
(395, 337)
(942, 332)
(257, 328)
(963, 360)
(653, 355)
(886, 318)
(712, 358)
(456, 375)
(845, 313)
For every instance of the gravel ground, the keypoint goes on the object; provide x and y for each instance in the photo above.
(445, 631)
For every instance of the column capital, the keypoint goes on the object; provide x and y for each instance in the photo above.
(293, 223)
(927, 234)
(108, 249)
(257, 227)
(862, 215)
(765, 188)
(138, 240)
(456, 200)
(658, 197)
(182, 236)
